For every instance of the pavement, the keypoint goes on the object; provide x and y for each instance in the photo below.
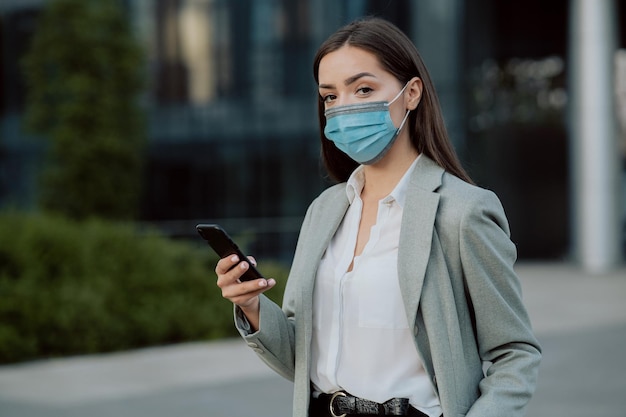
(580, 320)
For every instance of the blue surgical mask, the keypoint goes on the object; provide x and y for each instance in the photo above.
(363, 131)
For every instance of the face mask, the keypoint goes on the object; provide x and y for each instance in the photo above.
(363, 131)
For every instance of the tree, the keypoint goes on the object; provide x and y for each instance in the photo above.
(83, 74)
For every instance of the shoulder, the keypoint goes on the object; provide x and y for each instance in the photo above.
(332, 192)
(463, 204)
(331, 195)
(332, 198)
(430, 177)
(458, 190)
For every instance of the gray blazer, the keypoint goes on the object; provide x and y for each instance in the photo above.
(462, 298)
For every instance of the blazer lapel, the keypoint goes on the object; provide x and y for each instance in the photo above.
(327, 219)
(418, 222)
(331, 214)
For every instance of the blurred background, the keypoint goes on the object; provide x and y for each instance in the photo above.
(124, 123)
(227, 101)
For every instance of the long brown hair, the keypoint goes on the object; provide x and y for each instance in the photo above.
(398, 56)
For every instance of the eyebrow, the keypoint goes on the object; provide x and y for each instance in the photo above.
(350, 80)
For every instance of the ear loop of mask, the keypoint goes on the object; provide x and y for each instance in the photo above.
(406, 116)
(407, 112)
(398, 95)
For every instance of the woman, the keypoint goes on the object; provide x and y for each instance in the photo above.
(402, 299)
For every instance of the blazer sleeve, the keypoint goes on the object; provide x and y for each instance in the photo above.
(503, 331)
(274, 341)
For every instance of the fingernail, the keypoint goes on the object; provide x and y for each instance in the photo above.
(262, 283)
(234, 258)
(244, 265)
(271, 282)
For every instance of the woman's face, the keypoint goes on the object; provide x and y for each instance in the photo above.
(353, 75)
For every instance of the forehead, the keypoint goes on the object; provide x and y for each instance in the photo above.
(346, 61)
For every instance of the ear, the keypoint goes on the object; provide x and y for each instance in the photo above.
(413, 93)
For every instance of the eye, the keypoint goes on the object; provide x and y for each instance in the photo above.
(328, 98)
(364, 90)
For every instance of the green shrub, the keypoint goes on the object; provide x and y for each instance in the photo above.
(70, 287)
(84, 73)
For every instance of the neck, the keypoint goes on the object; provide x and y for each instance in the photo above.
(381, 178)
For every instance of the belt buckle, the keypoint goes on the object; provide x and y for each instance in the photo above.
(332, 400)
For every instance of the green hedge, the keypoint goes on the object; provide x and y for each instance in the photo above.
(70, 288)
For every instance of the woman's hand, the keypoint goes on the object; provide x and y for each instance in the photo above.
(243, 294)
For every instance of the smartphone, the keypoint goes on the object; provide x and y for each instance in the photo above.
(224, 246)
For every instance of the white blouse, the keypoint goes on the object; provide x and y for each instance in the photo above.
(361, 338)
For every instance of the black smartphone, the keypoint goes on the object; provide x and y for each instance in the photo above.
(224, 246)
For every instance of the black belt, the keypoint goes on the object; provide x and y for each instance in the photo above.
(342, 404)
